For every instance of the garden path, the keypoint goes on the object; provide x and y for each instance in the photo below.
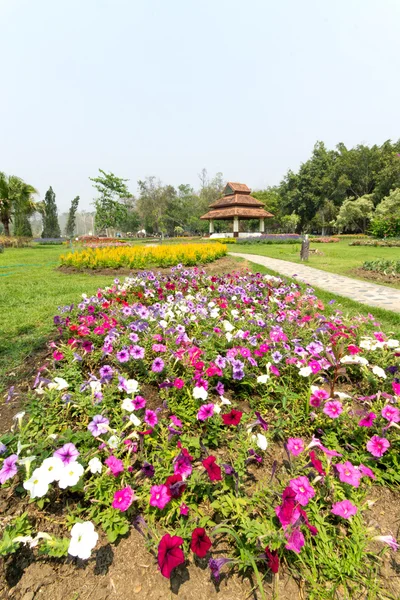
(360, 291)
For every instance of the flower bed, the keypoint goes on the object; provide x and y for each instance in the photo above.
(324, 240)
(387, 267)
(215, 414)
(395, 243)
(272, 238)
(143, 257)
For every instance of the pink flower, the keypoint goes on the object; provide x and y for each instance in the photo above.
(150, 418)
(377, 446)
(316, 442)
(159, 496)
(333, 409)
(389, 540)
(295, 541)
(344, 509)
(368, 420)
(366, 471)
(177, 422)
(348, 473)
(302, 489)
(57, 355)
(353, 349)
(295, 446)
(115, 465)
(391, 413)
(182, 464)
(183, 509)
(179, 383)
(396, 388)
(124, 498)
(288, 512)
(205, 412)
(314, 366)
(317, 397)
(138, 402)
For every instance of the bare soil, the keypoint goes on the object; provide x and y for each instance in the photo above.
(375, 276)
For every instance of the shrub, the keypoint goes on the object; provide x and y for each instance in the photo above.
(387, 267)
(272, 238)
(385, 226)
(15, 242)
(325, 240)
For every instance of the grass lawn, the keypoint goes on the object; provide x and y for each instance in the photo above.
(32, 289)
(337, 257)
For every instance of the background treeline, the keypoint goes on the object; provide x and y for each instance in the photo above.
(341, 190)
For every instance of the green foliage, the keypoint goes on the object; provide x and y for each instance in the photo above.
(70, 226)
(388, 267)
(20, 526)
(16, 203)
(387, 226)
(51, 228)
(355, 214)
(110, 210)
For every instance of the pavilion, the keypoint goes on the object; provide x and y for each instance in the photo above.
(236, 203)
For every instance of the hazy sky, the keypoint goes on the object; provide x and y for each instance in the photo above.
(167, 87)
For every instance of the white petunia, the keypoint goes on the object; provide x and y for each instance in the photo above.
(127, 405)
(114, 442)
(229, 337)
(70, 475)
(393, 343)
(228, 327)
(33, 542)
(341, 395)
(132, 386)
(379, 372)
(37, 485)
(83, 540)
(95, 465)
(353, 360)
(225, 401)
(305, 371)
(214, 313)
(163, 324)
(95, 386)
(199, 393)
(133, 419)
(52, 468)
(217, 409)
(61, 383)
(262, 378)
(262, 441)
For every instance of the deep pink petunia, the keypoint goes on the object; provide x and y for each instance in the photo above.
(391, 413)
(159, 496)
(200, 543)
(377, 446)
(273, 559)
(295, 541)
(213, 470)
(115, 465)
(302, 489)
(333, 409)
(288, 512)
(124, 498)
(344, 509)
(396, 388)
(232, 418)
(368, 420)
(316, 463)
(348, 473)
(170, 555)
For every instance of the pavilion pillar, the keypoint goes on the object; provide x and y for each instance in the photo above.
(211, 226)
(262, 225)
(235, 227)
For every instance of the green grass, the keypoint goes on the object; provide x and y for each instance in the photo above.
(337, 257)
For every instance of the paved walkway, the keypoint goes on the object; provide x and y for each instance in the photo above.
(360, 291)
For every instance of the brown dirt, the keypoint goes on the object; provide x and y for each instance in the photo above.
(218, 267)
(375, 276)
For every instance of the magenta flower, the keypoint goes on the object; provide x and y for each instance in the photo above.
(366, 471)
(159, 496)
(302, 489)
(170, 554)
(98, 425)
(377, 446)
(295, 541)
(124, 498)
(368, 420)
(183, 464)
(205, 412)
(138, 402)
(288, 512)
(183, 509)
(333, 409)
(158, 365)
(391, 413)
(177, 422)
(68, 453)
(295, 446)
(150, 418)
(9, 468)
(344, 509)
(317, 397)
(389, 540)
(115, 465)
(179, 383)
(348, 473)
(123, 356)
(57, 355)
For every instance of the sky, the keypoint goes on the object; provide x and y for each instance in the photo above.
(169, 87)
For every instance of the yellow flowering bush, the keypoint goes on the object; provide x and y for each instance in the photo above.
(139, 257)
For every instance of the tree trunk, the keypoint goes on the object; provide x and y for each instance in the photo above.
(6, 225)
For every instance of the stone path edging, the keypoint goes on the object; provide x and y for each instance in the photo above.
(360, 291)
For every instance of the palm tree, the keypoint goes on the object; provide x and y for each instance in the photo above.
(15, 201)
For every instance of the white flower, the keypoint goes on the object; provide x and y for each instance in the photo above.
(217, 409)
(95, 465)
(262, 442)
(95, 386)
(133, 419)
(114, 442)
(214, 313)
(163, 324)
(38, 484)
(225, 401)
(366, 343)
(235, 314)
(70, 475)
(19, 416)
(229, 337)
(262, 378)
(132, 386)
(83, 540)
(393, 343)
(27, 539)
(353, 360)
(379, 372)
(52, 468)
(305, 371)
(227, 326)
(61, 383)
(341, 395)
(127, 405)
(199, 393)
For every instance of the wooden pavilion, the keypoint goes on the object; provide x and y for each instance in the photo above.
(236, 203)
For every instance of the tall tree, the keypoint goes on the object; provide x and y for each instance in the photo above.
(16, 202)
(110, 210)
(51, 228)
(70, 226)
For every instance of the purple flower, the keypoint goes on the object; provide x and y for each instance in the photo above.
(68, 453)
(216, 564)
(150, 418)
(138, 402)
(220, 388)
(98, 425)
(137, 352)
(123, 355)
(3, 448)
(148, 470)
(260, 421)
(106, 372)
(158, 365)
(295, 541)
(205, 412)
(276, 357)
(9, 468)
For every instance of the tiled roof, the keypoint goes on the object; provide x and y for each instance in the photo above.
(238, 187)
(242, 212)
(236, 199)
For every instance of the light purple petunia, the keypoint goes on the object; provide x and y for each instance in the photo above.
(98, 425)
(68, 453)
(158, 365)
(9, 468)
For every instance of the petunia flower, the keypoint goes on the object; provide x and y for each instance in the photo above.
(333, 409)
(302, 489)
(213, 470)
(200, 543)
(123, 498)
(70, 475)
(232, 418)
(67, 453)
(95, 465)
(175, 485)
(368, 420)
(377, 446)
(115, 465)
(138, 402)
(391, 413)
(38, 484)
(9, 468)
(159, 496)
(348, 473)
(216, 564)
(158, 365)
(183, 510)
(98, 425)
(273, 559)
(344, 509)
(199, 393)
(295, 446)
(51, 468)
(83, 540)
(295, 541)
(389, 540)
(150, 417)
(205, 412)
(170, 554)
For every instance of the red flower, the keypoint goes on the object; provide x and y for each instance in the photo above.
(200, 543)
(273, 559)
(176, 488)
(170, 555)
(232, 418)
(317, 464)
(213, 470)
